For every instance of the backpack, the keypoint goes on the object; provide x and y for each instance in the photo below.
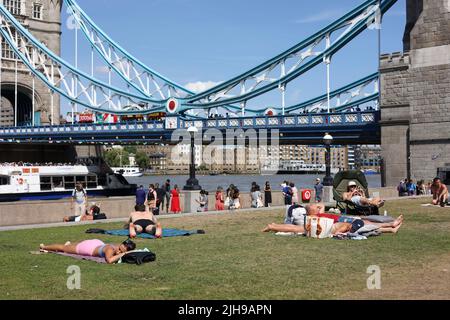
(100, 216)
(139, 257)
(295, 215)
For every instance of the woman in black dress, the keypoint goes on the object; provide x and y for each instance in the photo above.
(267, 195)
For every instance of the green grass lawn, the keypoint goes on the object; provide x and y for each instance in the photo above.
(234, 260)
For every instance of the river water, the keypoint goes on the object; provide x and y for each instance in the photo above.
(243, 182)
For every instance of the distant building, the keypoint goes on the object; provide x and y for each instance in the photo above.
(370, 157)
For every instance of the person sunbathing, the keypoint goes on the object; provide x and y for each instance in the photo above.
(93, 248)
(143, 221)
(355, 195)
(439, 192)
(338, 227)
(87, 216)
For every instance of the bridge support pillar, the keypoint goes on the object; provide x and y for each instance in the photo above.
(415, 96)
(190, 205)
(327, 194)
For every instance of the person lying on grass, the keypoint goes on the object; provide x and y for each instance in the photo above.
(338, 227)
(93, 248)
(356, 195)
(143, 221)
(87, 216)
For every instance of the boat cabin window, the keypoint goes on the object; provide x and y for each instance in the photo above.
(82, 180)
(57, 182)
(4, 181)
(46, 183)
(92, 182)
(69, 182)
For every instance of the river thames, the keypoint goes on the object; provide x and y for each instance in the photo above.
(243, 182)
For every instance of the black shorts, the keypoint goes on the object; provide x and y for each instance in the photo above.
(144, 223)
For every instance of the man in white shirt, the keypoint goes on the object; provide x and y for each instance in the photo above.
(79, 197)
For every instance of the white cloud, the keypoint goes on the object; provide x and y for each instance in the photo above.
(201, 86)
(322, 16)
(102, 69)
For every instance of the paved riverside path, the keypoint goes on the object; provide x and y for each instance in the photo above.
(169, 216)
(159, 217)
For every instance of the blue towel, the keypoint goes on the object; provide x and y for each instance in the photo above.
(166, 233)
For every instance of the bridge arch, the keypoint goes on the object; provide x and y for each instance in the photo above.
(24, 105)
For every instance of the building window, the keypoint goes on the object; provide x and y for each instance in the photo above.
(7, 52)
(13, 6)
(37, 11)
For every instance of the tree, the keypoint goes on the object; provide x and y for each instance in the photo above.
(117, 158)
(142, 160)
(130, 149)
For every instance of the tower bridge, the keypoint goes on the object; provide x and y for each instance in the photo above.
(412, 98)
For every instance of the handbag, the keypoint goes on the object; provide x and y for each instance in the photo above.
(259, 203)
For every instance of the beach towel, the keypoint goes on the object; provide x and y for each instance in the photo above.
(75, 256)
(166, 233)
(98, 259)
(289, 234)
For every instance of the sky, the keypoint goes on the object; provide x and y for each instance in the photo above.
(198, 43)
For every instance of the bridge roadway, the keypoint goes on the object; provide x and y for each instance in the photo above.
(346, 128)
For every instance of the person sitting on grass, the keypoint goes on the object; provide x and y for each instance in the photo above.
(87, 216)
(355, 195)
(93, 248)
(143, 221)
(338, 227)
(440, 192)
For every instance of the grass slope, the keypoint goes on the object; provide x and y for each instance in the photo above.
(234, 260)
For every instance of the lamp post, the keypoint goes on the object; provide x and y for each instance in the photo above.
(192, 182)
(327, 140)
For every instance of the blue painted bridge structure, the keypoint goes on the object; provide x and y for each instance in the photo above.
(136, 89)
(346, 128)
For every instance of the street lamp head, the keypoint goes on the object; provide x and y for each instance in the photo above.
(192, 129)
(327, 139)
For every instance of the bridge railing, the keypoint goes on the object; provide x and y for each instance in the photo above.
(84, 127)
(287, 121)
(302, 120)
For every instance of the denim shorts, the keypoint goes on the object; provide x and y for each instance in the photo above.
(347, 219)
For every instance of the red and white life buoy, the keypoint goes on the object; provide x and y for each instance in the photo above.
(270, 112)
(172, 105)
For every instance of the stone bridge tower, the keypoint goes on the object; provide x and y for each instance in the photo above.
(415, 96)
(43, 19)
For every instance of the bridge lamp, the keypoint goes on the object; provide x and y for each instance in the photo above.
(328, 140)
(192, 182)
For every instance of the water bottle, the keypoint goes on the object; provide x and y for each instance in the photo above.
(385, 213)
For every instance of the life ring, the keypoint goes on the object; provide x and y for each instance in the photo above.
(20, 181)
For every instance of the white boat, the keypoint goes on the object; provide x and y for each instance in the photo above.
(296, 167)
(128, 171)
(27, 182)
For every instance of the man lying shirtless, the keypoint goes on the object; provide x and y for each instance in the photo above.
(338, 227)
(143, 221)
(355, 195)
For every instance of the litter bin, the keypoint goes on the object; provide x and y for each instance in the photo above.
(306, 195)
